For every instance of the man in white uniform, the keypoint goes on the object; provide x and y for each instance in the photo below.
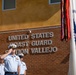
(12, 61)
(23, 67)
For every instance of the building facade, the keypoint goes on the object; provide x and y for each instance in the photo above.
(22, 14)
(34, 25)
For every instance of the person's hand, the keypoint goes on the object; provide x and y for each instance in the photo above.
(9, 51)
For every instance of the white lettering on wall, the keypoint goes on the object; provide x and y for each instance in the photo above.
(44, 50)
(42, 35)
(41, 42)
(33, 43)
(18, 37)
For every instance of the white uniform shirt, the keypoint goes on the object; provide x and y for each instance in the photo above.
(11, 63)
(2, 69)
(22, 67)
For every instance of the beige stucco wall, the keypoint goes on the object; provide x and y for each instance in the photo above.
(30, 14)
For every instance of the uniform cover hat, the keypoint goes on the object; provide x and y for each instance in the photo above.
(21, 54)
(12, 46)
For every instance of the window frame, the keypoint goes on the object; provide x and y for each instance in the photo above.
(9, 8)
(54, 2)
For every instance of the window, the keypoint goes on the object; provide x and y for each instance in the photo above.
(9, 4)
(54, 1)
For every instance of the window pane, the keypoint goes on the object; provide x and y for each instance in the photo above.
(54, 1)
(9, 4)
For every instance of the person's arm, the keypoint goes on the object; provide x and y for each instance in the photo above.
(18, 70)
(25, 73)
(4, 55)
